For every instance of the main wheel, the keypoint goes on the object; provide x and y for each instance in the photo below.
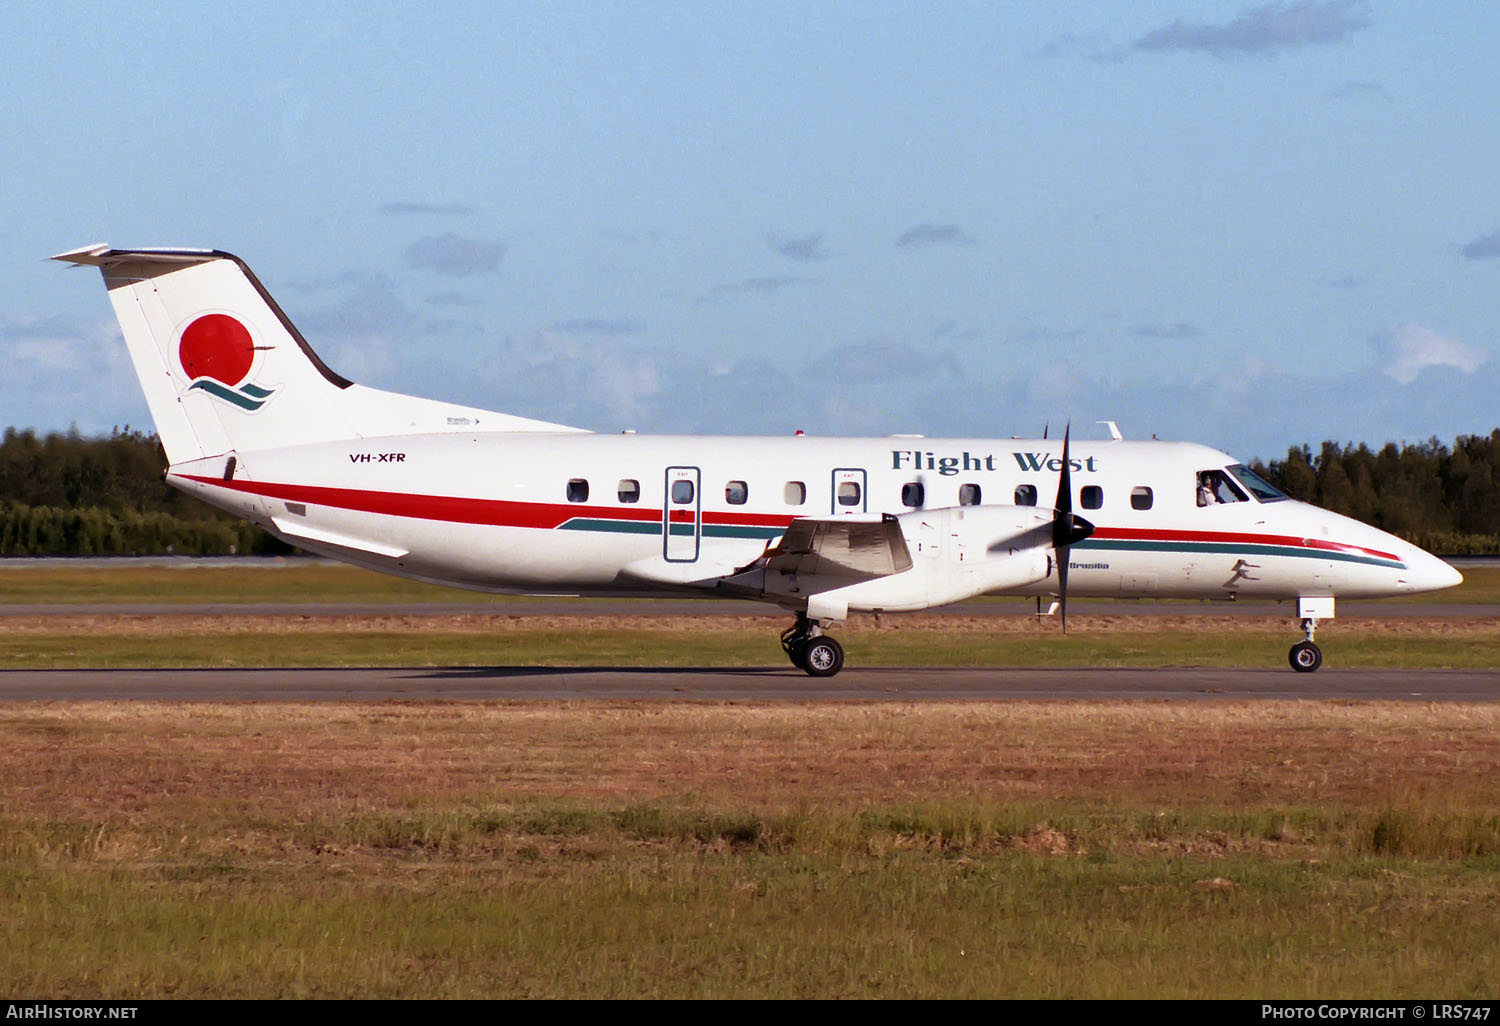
(797, 653)
(1305, 657)
(821, 656)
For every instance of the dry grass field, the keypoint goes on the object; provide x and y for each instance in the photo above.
(659, 849)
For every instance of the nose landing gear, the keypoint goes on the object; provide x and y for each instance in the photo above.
(1306, 657)
(810, 650)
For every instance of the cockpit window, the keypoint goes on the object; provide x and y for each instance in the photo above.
(1259, 486)
(1215, 488)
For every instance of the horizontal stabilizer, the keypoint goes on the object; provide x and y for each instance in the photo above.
(319, 540)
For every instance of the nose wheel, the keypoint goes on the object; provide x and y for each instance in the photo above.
(810, 650)
(1306, 657)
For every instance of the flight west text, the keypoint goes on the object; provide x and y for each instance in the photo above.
(918, 459)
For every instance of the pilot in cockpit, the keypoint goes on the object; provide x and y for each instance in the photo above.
(1215, 488)
(1206, 496)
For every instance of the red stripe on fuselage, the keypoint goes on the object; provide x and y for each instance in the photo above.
(460, 510)
(547, 515)
(1235, 537)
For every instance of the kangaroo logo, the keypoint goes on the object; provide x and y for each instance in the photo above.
(217, 354)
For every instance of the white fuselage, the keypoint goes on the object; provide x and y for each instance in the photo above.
(580, 512)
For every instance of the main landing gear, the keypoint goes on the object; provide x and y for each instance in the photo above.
(810, 650)
(1306, 657)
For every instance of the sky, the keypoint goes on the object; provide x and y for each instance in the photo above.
(1252, 226)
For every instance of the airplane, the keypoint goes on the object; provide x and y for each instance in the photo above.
(254, 422)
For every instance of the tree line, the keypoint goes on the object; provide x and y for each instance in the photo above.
(1443, 499)
(67, 495)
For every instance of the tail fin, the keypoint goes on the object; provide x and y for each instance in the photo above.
(224, 370)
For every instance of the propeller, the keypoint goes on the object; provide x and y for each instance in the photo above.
(1067, 528)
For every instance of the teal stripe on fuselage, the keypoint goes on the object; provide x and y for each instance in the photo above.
(740, 531)
(654, 527)
(611, 526)
(1233, 548)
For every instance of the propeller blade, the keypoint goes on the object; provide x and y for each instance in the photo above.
(1062, 586)
(1063, 506)
(1067, 527)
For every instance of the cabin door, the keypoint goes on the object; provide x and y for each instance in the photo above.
(849, 491)
(682, 515)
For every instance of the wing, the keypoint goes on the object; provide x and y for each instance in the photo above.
(848, 546)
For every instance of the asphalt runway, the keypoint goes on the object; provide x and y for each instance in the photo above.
(718, 685)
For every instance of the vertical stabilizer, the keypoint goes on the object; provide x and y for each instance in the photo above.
(224, 370)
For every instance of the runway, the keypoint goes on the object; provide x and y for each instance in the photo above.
(755, 684)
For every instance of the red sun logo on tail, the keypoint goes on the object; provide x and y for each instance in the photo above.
(216, 346)
(216, 351)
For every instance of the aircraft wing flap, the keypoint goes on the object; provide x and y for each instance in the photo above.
(841, 547)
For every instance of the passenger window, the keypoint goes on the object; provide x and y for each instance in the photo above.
(848, 493)
(969, 495)
(578, 490)
(682, 492)
(1140, 497)
(736, 493)
(912, 494)
(794, 494)
(1026, 495)
(1092, 497)
(629, 490)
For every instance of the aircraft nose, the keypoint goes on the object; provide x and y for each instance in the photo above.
(1425, 572)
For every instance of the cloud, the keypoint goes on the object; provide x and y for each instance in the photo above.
(599, 326)
(1045, 333)
(763, 285)
(71, 372)
(880, 360)
(950, 330)
(367, 303)
(1091, 46)
(1348, 282)
(577, 381)
(1373, 90)
(35, 346)
(454, 254)
(1264, 30)
(1483, 248)
(1410, 349)
(402, 209)
(1178, 330)
(809, 248)
(923, 235)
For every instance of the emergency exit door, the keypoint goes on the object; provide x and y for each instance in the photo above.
(682, 515)
(849, 491)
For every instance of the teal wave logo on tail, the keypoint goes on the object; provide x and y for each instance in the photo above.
(246, 396)
(217, 352)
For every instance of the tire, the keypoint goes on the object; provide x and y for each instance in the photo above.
(797, 653)
(1305, 657)
(821, 656)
